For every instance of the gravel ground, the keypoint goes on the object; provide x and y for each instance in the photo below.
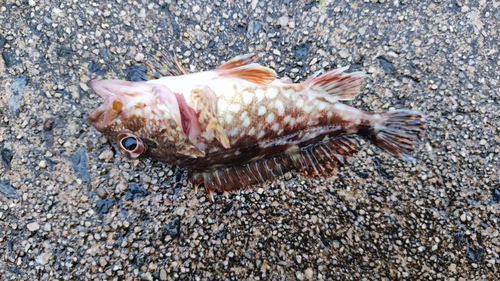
(72, 208)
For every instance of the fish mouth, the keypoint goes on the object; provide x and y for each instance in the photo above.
(112, 106)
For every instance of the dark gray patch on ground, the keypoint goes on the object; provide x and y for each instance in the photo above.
(17, 90)
(80, 164)
(7, 190)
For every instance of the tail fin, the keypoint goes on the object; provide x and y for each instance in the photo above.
(399, 132)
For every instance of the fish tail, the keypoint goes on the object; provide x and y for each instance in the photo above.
(399, 132)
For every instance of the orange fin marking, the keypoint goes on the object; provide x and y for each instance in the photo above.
(237, 62)
(206, 104)
(243, 67)
(337, 84)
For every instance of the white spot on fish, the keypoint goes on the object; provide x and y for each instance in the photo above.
(286, 93)
(234, 131)
(147, 112)
(259, 94)
(246, 122)
(280, 107)
(251, 132)
(271, 92)
(261, 110)
(299, 102)
(221, 104)
(229, 118)
(261, 134)
(270, 118)
(245, 119)
(247, 98)
(234, 107)
(320, 105)
(275, 126)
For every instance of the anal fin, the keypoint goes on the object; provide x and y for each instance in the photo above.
(318, 159)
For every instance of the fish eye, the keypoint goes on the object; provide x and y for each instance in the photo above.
(129, 143)
(131, 146)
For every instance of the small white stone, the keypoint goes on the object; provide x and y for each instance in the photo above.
(139, 57)
(42, 164)
(34, 226)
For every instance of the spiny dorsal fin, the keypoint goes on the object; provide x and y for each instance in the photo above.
(337, 83)
(206, 103)
(164, 65)
(319, 159)
(243, 67)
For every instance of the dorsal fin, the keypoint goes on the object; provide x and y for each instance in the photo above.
(319, 159)
(244, 67)
(337, 83)
(238, 61)
(164, 64)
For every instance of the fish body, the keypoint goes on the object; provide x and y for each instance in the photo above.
(239, 125)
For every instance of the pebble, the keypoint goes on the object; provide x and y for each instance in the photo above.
(283, 21)
(163, 274)
(34, 226)
(343, 54)
(42, 164)
(308, 273)
(47, 227)
(139, 57)
(107, 155)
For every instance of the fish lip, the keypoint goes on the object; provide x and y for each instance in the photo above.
(101, 116)
(97, 86)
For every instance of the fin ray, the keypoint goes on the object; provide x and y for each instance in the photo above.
(399, 132)
(319, 159)
(245, 68)
(337, 84)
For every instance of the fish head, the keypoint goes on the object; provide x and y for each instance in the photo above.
(145, 120)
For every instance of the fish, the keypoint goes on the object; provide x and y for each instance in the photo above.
(240, 125)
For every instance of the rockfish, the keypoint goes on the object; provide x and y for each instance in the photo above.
(239, 125)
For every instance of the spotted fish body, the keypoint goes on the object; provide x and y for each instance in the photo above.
(239, 125)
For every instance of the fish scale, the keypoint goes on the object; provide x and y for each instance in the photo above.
(239, 125)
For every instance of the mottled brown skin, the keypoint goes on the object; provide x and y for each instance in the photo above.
(240, 126)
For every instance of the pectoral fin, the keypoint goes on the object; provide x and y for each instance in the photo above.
(206, 103)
